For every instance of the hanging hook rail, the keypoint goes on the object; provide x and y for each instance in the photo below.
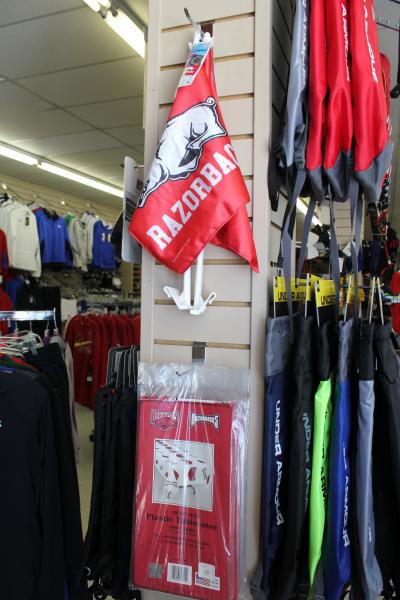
(27, 315)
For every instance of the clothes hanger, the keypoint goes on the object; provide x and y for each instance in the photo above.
(24, 341)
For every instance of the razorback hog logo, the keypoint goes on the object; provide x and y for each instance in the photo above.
(181, 145)
(164, 420)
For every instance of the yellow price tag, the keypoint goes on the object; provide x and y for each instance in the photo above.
(298, 289)
(351, 293)
(325, 293)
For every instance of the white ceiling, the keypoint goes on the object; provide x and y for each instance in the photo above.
(70, 91)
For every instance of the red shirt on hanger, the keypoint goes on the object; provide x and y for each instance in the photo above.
(84, 337)
(395, 308)
(5, 304)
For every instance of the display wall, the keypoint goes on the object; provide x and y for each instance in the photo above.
(234, 326)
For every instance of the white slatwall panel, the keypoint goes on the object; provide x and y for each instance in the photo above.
(233, 77)
(219, 324)
(235, 326)
(172, 14)
(229, 357)
(237, 113)
(241, 30)
(237, 285)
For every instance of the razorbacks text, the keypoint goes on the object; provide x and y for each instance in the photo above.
(212, 419)
(182, 210)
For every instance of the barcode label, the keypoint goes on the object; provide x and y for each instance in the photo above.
(179, 574)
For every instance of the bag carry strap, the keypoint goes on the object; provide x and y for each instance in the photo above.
(306, 233)
(334, 248)
(356, 214)
(286, 241)
(277, 164)
(334, 251)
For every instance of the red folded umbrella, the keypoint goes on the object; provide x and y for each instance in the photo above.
(318, 87)
(195, 192)
(339, 125)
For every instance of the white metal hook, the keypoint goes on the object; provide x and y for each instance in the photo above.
(183, 299)
(198, 33)
(200, 305)
(190, 19)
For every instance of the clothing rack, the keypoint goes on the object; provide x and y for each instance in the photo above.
(28, 315)
(62, 207)
(135, 303)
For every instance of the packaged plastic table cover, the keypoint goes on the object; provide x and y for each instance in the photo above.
(188, 536)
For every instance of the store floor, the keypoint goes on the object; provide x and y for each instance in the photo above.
(84, 418)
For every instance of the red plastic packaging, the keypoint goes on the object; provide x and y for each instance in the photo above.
(190, 482)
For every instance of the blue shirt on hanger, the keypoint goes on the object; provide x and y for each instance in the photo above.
(54, 239)
(103, 250)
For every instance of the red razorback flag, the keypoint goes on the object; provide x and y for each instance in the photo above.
(195, 192)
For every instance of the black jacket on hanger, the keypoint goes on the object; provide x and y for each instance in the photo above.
(54, 379)
(31, 547)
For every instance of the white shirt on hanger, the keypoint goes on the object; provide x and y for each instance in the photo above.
(19, 224)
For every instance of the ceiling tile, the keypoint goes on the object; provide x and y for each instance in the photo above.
(115, 113)
(19, 10)
(58, 145)
(14, 100)
(40, 124)
(117, 181)
(134, 136)
(113, 173)
(40, 177)
(139, 151)
(108, 81)
(61, 41)
(86, 160)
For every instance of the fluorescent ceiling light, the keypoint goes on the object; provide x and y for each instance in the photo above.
(28, 159)
(16, 155)
(120, 23)
(127, 30)
(73, 176)
(303, 208)
(93, 4)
